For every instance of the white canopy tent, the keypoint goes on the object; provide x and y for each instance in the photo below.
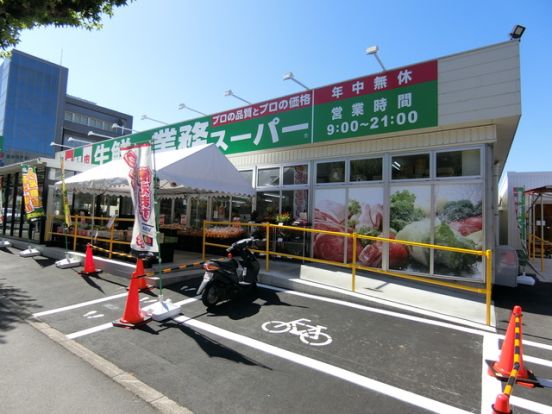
(199, 169)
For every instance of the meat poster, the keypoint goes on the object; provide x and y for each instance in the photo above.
(330, 214)
(365, 217)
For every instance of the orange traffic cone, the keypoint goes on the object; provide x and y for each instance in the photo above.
(502, 404)
(502, 368)
(140, 274)
(132, 315)
(89, 267)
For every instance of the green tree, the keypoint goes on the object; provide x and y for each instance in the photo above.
(17, 15)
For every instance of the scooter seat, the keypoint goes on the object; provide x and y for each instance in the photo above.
(229, 264)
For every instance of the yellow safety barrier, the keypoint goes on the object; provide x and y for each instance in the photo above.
(354, 266)
(85, 228)
(542, 250)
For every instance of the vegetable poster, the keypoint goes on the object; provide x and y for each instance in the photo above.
(451, 217)
(410, 219)
(457, 223)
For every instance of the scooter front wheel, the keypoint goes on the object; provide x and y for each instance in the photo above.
(212, 294)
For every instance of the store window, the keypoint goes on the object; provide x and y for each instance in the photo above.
(410, 166)
(268, 205)
(459, 163)
(83, 204)
(241, 207)
(180, 207)
(366, 170)
(221, 208)
(296, 174)
(247, 175)
(330, 172)
(198, 212)
(126, 208)
(295, 202)
(165, 212)
(268, 177)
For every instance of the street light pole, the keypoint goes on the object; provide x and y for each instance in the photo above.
(80, 141)
(230, 93)
(122, 128)
(291, 76)
(95, 134)
(152, 119)
(184, 106)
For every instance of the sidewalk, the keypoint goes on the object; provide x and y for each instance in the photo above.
(40, 376)
(429, 300)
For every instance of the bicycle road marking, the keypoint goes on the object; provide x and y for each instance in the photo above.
(78, 305)
(351, 377)
(311, 335)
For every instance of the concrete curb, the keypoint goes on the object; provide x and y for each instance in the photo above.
(126, 380)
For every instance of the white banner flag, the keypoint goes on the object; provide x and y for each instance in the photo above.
(140, 179)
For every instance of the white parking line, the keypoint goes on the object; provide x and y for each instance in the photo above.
(108, 325)
(530, 405)
(535, 360)
(79, 305)
(490, 386)
(88, 331)
(365, 382)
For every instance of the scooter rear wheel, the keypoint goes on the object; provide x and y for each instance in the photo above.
(211, 295)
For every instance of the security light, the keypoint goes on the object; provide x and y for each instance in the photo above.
(517, 32)
(373, 50)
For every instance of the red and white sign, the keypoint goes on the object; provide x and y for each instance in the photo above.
(141, 181)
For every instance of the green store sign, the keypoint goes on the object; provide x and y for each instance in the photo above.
(396, 100)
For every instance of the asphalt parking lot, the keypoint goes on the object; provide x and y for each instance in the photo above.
(277, 351)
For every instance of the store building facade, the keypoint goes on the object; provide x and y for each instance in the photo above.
(412, 153)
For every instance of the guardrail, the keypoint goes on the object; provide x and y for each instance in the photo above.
(271, 239)
(85, 228)
(544, 248)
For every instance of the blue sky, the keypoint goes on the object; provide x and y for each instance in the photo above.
(153, 55)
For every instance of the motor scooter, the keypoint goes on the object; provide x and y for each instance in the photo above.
(226, 278)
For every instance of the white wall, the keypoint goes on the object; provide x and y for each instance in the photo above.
(481, 84)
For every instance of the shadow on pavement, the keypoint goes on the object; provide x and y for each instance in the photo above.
(44, 261)
(272, 298)
(243, 307)
(536, 306)
(215, 349)
(91, 282)
(535, 299)
(13, 302)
